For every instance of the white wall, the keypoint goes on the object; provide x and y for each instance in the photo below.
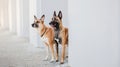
(38, 8)
(94, 33)
(119, 30)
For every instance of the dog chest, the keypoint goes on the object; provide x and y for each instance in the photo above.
(59, 40)
(44, 39)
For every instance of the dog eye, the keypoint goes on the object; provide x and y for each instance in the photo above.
(57, 19)
(52, 18)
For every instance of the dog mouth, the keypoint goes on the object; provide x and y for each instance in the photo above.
(53, 26)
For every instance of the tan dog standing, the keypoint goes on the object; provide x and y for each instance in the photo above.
(61, 33)
(47, 36)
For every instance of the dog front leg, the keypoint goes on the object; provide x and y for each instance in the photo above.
(52, 53)
(63, 54)
(63, 49)
(47, 52)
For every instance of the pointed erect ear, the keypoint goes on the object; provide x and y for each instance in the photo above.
(35, 17)
(54, 13)
(42, 17)
(60, 14)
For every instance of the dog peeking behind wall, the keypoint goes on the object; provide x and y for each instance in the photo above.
(55, 34)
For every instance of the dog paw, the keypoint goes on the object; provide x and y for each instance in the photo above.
(61, 62)
(52, 60)
(57, 60)
(66, 56)
(46, 58)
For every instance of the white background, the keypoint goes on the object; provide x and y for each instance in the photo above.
(94, 27)
(94, 33)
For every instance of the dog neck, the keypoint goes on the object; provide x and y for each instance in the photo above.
(61, 26)
(44, 31)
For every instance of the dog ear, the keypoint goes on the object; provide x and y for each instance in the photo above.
(54, 13)
(60, 14)
(42, 17)
(35, 17)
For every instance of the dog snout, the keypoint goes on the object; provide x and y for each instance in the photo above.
(50, 23)
(34, 25)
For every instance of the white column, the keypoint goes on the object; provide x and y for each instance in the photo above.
(4, 14)
(12, 16)
(33, 33)
(18, 16)
(6, 19)
(39, 14)
(1, 14)
(22, 17)
(25, 24)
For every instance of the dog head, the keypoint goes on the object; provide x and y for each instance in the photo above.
(38, 22)
(56, 20)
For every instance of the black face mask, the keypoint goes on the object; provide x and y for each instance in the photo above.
(54, 24)
(34, 25)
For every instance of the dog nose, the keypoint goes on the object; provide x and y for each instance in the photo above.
(32, 25)
(49, 23)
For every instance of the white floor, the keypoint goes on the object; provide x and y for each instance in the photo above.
(17, 52)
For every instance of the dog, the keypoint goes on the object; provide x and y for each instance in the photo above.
(47, 36)
(61, 33)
